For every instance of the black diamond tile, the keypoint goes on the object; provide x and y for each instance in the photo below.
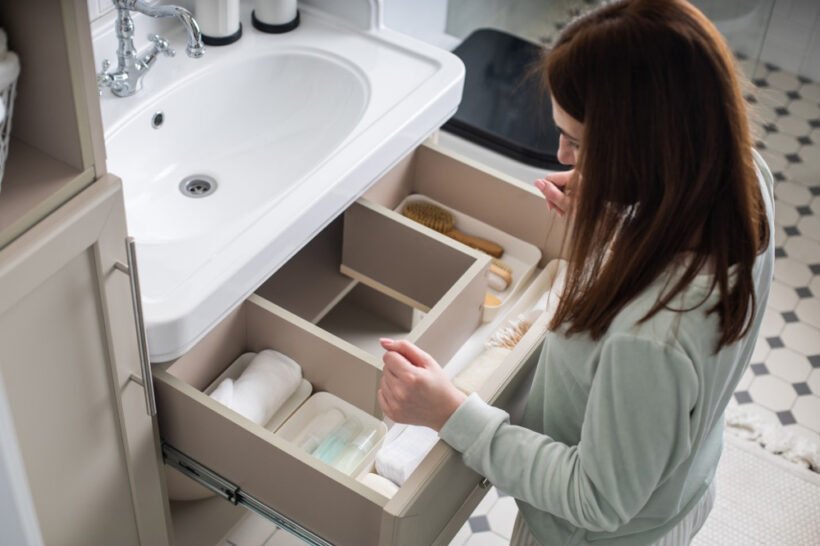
(786, 417)
(779, 176)
(740, 56)
(814, 360)
(804, 211)
(772, 67)
(804, 79)
(560, 26)
(743, 397)
(803, 292)
(775, 342)
(779, 252)
(770, 128)
(801, 388)
(804, 140)
(794, 95)
(790, 316)
(760, 82)
(479, 524)
(815, 269)
(793, 158)
(791, 231)
(815, 190)
(759, 145)
(781, 111)
(545, 39)
(759, 369)
(751, 99)
(815, 123)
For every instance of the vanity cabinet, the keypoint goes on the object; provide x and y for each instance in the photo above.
(375, 248)
(81, 447)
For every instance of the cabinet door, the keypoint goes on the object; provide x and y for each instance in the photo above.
(68, 350)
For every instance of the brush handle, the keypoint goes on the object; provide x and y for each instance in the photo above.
(478, 243)
(504, 274)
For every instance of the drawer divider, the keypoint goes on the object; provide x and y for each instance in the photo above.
(233, 494)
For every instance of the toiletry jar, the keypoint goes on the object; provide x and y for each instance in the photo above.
(370, 272)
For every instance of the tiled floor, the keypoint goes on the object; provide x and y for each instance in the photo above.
(782, 384)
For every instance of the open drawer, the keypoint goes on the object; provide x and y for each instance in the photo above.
(371, 272)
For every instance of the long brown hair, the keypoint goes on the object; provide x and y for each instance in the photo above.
(665, 160)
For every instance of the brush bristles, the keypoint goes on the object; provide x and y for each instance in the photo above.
(430, 215)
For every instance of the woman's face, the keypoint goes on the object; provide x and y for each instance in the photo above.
(571, 130)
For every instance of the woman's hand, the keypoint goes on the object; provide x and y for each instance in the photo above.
(556, 190)
(414, 388)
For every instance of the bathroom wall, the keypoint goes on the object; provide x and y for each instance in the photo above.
(793, 38)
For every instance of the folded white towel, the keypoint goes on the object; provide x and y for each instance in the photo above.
(262, 388)
(471, 378)
(380, 484)
(404, 447)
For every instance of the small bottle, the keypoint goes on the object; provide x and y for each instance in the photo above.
(355, 453)
(336, 441)
(275, 16)
(319, 427)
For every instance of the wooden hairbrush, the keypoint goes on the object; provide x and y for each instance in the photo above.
(443, 221)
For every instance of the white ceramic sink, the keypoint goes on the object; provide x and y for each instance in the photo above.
(292, 128)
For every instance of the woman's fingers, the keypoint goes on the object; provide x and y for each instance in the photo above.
(412, 353)
(556, 199)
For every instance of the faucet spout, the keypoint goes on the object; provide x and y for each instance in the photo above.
(195, 47)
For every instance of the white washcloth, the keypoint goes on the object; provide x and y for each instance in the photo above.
(471, 378)
(404, 447)
(380, 484)
(262, 388)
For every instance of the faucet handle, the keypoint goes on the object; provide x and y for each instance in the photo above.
(161, 45)
(104, 79)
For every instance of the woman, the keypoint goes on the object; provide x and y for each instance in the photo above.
(670, 263)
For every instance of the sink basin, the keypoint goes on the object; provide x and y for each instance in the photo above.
(232, 162)
(296, 108)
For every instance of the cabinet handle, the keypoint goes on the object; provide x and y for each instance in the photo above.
(131, 270)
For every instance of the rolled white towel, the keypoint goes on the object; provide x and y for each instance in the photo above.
(380, 484)
(471, 378)
(404, 447)
(262, 388)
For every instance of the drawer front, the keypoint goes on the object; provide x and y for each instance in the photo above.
(374, 256)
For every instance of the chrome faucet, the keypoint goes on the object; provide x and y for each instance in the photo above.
(131, 66)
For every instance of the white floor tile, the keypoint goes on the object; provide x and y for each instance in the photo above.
(775, 160)
(814, 285)
(803, 249)
(761, 350)
(810, 91)
(745, 380)
(810, 227)
(783, 80)
(772, 97)
(502, 516)
(789, 365)
(462, 536)
(805, 109)
(782, 143)
(785, 214)
(772, 393)
(779, 235)
(486, 503)
(773, 323)
(791, 272)
(815, 205)
(794, 126)
(801, 338)
(808, 311)
(807, 411)
(792, 193)
(782, 297)
(814, 381)
(807, 175)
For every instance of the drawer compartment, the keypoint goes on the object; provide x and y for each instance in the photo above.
(398, 278)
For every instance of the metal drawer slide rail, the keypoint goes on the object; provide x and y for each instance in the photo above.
(234, 494)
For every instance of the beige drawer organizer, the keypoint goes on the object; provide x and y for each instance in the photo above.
(419, 269)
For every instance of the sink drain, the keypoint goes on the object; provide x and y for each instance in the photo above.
(197, 185)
